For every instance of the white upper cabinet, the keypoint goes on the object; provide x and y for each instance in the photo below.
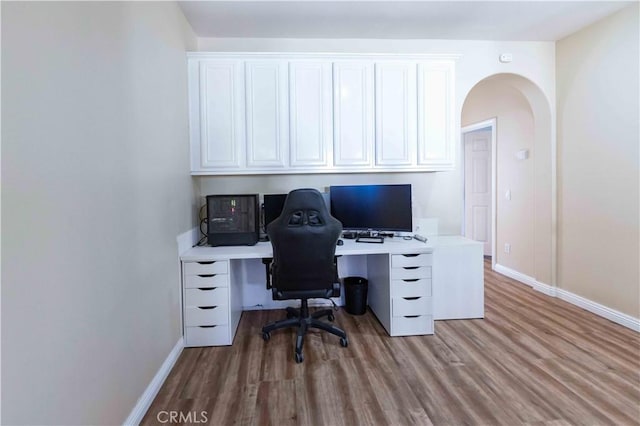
(310, 109)
(396, 114)
(436, 124)
(217, 114)
(267, 111)
(352, 113)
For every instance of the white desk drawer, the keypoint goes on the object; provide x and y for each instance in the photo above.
(209, 280)
(403, 260)
(207, 336)
(411, 306)
(411, 326)
(206, 297)
(204, 268)
(409, 273)
(206, 315)
(411, 288)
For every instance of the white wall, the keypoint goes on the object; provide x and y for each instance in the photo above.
(95, 189)
(435, 194)
(515, 131)
(598, 162)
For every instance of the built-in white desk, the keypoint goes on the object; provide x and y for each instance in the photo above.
(411, 284)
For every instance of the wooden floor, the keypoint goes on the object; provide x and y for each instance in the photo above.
(533, 360)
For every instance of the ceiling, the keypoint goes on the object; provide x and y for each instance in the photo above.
(455, 20)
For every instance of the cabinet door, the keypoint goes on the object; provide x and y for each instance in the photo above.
(222, 137)
(267, 114)
(396, 114)
(352, 113)
(458, 280)
(436, 115)
(310, 113)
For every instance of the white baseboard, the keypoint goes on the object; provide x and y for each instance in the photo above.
(282, 304)
(518, 276)
(144, 402)
(601, 310)
(586, 304)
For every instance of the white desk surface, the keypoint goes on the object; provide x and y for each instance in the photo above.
(393, 245)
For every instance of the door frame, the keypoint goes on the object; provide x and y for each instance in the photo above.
(492, 125)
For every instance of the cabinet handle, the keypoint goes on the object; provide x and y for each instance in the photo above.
(207, 275)
(207, 263)
(207, 307)
(410, 267)
(411, 255)
(206, 288)
(411, 298)
(413, 280)
(207, 326)
(412, 316)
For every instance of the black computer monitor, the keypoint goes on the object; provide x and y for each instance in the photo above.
(273, 204)
(372, 207)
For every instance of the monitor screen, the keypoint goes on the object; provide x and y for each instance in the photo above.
(273, 204)
(375, 207)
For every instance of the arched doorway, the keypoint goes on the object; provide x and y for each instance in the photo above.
(522, 175)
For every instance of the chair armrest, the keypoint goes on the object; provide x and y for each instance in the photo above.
(267, 266)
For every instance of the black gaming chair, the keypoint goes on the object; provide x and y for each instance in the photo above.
(304, 239)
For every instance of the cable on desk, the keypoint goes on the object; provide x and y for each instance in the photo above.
(202, 220)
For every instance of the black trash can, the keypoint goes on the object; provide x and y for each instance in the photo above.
(355, 295)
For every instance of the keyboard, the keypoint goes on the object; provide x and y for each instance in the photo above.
(378, 240)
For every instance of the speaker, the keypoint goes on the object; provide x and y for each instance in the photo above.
(233, 220)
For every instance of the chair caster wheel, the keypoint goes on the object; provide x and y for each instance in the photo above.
(331, 317)
(344, 342)
(266, 336)
(299, 358)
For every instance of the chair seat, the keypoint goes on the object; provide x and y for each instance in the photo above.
(324, 293)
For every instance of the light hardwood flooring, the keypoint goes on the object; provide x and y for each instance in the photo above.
(532, 360)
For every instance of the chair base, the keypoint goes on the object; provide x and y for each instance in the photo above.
(301, 319)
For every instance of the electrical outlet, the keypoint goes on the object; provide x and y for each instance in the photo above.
(507, 248)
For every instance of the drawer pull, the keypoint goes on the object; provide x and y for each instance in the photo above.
(206, 288)
(207, 275)
(410, 267)
(412, 316)
(207, 326)
(411, 255)
(207, 263)
(411, 298)
(206, 307)
(412, 280)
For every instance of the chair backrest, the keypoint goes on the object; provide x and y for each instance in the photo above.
(304, 239)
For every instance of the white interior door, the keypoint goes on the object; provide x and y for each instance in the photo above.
(477, 187)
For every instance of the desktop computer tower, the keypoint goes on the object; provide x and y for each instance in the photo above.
(233, 220)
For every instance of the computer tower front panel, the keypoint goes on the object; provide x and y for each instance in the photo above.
(232, 220)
